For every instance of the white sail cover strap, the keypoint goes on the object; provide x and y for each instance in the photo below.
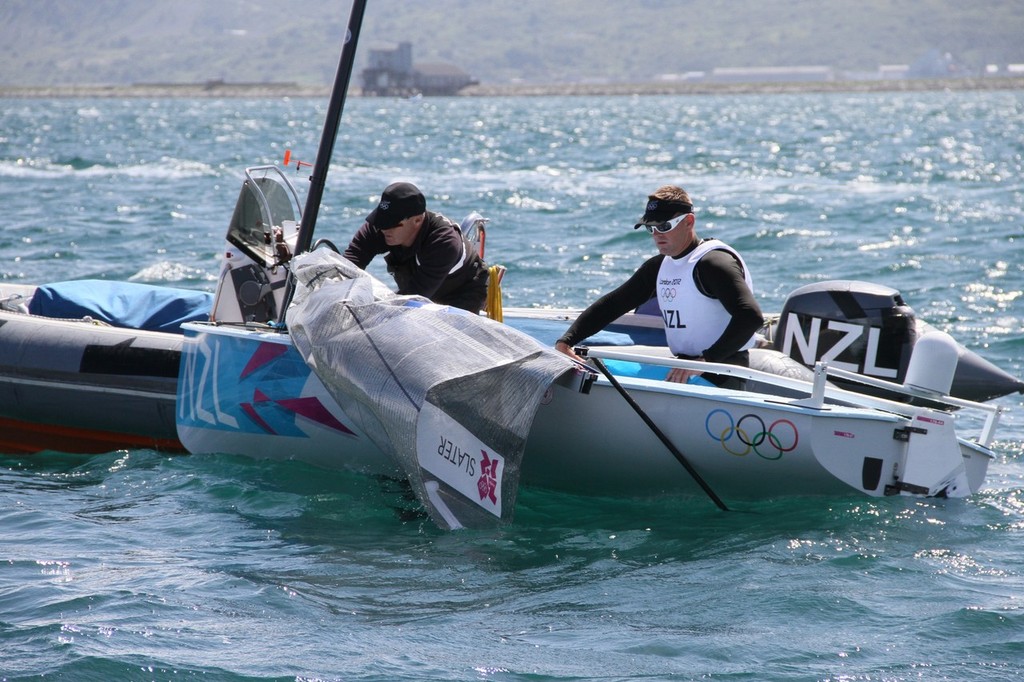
(449, 394)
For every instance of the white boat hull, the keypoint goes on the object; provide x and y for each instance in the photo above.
(249, 392)
(743, 445)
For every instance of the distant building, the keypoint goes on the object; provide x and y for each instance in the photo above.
(680, 77)
(937, 64)
(888, 72)
(761, 74)
(1014, 70)
(391, 73)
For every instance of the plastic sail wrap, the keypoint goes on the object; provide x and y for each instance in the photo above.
(449, 394)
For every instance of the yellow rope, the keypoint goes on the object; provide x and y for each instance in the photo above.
(493, 307)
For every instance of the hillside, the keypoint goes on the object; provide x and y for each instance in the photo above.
(65, 42)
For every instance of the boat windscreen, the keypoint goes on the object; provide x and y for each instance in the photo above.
(262, 204)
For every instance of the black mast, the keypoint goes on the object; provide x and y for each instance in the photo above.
(330, 132)
(327, 138)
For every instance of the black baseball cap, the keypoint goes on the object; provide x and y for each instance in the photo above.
(398, 201)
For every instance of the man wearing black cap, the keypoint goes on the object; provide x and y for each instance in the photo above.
(427, 253)
(702, 287)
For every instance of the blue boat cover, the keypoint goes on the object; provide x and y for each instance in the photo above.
(122, 304)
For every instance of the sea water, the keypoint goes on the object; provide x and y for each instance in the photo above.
(135, 565)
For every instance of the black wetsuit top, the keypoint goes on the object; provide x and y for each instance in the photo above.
(425, 267)
(717, 275)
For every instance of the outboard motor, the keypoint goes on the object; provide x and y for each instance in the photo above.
(856, 326)
(868, 328)
(261, 240)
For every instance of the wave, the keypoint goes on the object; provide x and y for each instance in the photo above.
(76, 166)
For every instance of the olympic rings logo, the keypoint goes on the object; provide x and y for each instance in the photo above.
(750, 433)
(668, 294)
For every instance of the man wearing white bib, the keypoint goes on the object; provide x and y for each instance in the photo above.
(703, 288)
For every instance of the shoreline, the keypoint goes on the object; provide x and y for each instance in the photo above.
(275, 90)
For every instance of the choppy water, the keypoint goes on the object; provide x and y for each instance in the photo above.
(139, 566)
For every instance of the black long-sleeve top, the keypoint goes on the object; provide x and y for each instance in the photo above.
(718, 274)
(423, 268)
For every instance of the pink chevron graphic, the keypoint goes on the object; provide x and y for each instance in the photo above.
(264, 353)
(312, 409)
(252, 414)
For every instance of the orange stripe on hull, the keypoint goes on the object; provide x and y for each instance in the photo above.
(20, 437)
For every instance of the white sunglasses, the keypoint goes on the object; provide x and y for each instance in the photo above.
(666, 226)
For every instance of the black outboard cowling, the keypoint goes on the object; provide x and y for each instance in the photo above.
(869, 329)
(856, 326)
